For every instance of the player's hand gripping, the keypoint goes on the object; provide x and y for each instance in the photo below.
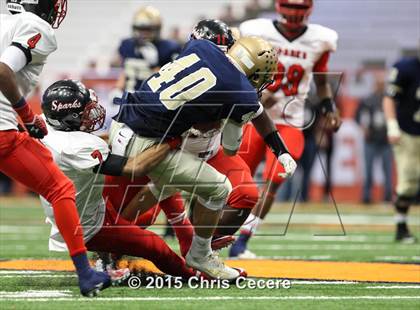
(289, 165)
(34, 124)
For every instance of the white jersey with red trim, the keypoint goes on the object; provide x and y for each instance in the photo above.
(298, 60)
(76, 154)
(36, 38)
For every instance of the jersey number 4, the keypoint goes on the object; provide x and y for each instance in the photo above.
(293, 77)
(186, 89)
(32, 42)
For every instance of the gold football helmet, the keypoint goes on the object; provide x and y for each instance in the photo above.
(147, 23)
(256, 58)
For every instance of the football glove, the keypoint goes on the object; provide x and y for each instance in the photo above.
(289, 165)
(34, 124)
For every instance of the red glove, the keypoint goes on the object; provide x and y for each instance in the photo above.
(174, 143)
(34, 124)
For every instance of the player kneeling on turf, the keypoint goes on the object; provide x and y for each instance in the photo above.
(72, 113)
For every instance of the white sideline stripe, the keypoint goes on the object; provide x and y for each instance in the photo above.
(24, 272)
(34, 294)
(39, 276)
(395, 287)
(215, 298)
(330, 247)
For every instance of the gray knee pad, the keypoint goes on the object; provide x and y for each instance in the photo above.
(218, 197)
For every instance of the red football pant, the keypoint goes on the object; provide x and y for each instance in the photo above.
(119, 236)
(27, 161)
(245, 192)
(253, 150)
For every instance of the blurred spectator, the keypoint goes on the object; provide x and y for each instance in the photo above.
(371, 118)
(227, 16)
(252, 9)
(176, 35)
(5, 184)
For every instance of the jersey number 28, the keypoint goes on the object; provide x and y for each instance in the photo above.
(186, 89)
(293, 77)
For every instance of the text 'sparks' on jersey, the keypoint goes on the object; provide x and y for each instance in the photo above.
(200, 86)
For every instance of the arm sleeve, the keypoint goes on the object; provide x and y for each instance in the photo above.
(35, 38)
(85, 154)
(14, 58)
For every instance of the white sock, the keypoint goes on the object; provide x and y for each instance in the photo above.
(400, 218)
(251, 224)
(200, 247)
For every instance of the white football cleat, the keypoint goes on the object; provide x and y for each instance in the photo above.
(247, 254)
(213, 267)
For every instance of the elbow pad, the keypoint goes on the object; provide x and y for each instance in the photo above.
(232, 136)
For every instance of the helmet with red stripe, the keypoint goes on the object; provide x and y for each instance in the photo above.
(295, 13)
(52, 11)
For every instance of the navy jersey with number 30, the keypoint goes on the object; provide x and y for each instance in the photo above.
(200, 86)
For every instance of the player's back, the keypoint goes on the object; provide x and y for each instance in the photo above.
(76, 153)
(139, 61)
(36, 39)
(405, 88)
(200, 86)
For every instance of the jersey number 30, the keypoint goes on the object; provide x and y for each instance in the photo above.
(186, 89)
(293, 77)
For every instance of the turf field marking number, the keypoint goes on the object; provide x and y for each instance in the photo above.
(190, 87)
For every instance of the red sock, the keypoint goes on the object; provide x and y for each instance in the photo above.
(68, 223)
(135, 241)
(177, 217)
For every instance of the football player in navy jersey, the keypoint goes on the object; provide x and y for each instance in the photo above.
(202, 85)
(402, 111)
(145, 52)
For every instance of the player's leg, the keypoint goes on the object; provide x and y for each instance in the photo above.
(243, 197)
(294, 140)
(369, 159)
(132, 240)
(183, 171)
(178, 219)
(408, 176)
(252, 149)
(30, 163)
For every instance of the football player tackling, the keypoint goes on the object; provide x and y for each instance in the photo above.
(303, 52)
(202, 85)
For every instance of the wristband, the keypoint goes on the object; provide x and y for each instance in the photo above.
(393, 129)
(274, 141)
(24, 111)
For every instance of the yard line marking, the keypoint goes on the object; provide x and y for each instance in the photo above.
(35, 294)
(394, 286)
(214, 298)
(13, 229)
(323, 282)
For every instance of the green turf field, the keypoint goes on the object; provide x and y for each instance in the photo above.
(313, 233)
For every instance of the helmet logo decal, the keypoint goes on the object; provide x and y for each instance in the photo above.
(244, 58)
(58, 106)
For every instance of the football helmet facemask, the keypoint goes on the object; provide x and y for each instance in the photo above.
(52, 11)
(215, 31)
(147, 24)
(256, 58)
(295, 13)
(69, 106)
